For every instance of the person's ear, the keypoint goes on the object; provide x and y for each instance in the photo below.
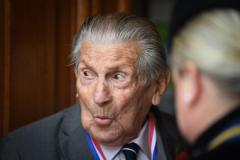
(191, 84)
(156, 98)
(76, 95)
(161, 86)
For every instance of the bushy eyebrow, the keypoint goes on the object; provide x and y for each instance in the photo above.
(115, 67)
(82, 61)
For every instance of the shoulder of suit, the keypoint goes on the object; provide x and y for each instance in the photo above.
(162, 115)
(165, 123)
(45, 125)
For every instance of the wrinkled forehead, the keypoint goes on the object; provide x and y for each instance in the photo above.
(115, 51)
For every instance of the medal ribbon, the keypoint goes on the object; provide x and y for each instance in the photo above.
(152, 139)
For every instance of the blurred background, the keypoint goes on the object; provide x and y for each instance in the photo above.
(36, 78)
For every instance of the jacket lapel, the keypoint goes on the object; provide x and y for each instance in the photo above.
(71, 138)
(167, 134)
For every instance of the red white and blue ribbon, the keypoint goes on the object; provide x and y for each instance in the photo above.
(95, 148)
(152, 140)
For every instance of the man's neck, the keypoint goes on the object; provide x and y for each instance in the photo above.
(141, 140)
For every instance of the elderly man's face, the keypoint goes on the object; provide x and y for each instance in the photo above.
(114, 101)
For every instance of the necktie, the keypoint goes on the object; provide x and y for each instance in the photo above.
(130, 151)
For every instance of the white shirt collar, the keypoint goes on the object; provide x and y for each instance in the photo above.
(141, 140)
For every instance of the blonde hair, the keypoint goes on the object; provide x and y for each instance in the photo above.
(212, 42)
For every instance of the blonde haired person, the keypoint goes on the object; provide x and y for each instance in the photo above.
(205, 48)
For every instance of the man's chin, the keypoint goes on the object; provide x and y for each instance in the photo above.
(106, 137)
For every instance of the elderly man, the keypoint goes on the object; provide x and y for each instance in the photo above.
(121, 74)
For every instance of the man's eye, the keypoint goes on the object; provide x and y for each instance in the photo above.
(87, 74)
(119, 77)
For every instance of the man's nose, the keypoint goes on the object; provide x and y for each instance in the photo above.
(102, 93)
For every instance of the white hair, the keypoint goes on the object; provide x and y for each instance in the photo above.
(121, 27)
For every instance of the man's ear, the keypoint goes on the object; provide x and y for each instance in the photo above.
(156, 98)
(161, 86)
(76, 95)
(192, 84)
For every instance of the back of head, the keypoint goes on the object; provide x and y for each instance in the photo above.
(208, 33)
(185, 10)
(206, 60)
(125, 28)
(211, 40)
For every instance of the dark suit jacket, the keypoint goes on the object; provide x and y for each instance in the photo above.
(230, 146)
(61, 136)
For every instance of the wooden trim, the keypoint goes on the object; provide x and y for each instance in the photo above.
(83, 10)
(96, 6)
(64, 72)
(123, 5)
(4, 121)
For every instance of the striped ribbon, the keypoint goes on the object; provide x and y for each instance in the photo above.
(152, 138)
